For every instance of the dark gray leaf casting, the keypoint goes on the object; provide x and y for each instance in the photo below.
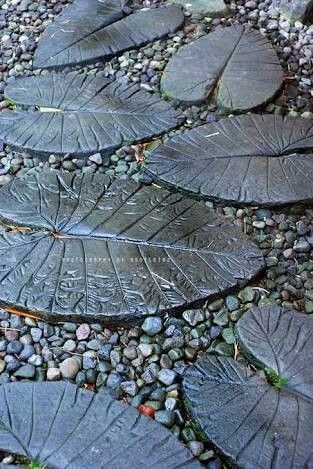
(92, 249)
(252, 159)
(89, 31)
(82, 114)
(60, 425)
(254, 421)
(236, 68)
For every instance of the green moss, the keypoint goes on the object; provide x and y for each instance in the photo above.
(35, 465)
(274, 378)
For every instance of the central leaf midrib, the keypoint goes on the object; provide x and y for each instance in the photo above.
(298, 151)
(61, 236)
(216, 87)
(105, 24)
(65, 236)
(89, 111)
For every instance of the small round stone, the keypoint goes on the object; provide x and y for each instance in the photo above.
(166, 376)
(83, 331)
(26, 371)
(14, 347)
(196, 447)
(27, 352)
(152, 325)
(36, 334)
(166, 417)
(53, 374)
(129, 387)
(69, 345)
(69, 368)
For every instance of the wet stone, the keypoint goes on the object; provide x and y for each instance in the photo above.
(152, 325)
(167, 377)
(36, 334)
(129, 387)
(69, 368)
(246, 295)
(2, 365)
(26, 371)
(232, 303)
(53, 374)
(13, 364)
(82, 332)
(14, 347)
(166, 417)
(194, 316)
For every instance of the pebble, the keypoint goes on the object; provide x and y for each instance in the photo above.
(53, 374)
(173, 342)
(2, 365)
(129, 387)
(35, 360)
(165, 417)
(83, 331)
(301, 246)
(152, 325)
(114, 380)
(246, 295)
(27, 351)
(166, 376)
(69, 345)
(36, 334)
(196, 447)
(26, 371)
(194, 316)
(232, 303)
(145, 349)
(14, 347)
(96, 158)
(69, 368)
(13, 364)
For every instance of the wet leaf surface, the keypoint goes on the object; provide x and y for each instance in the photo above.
(82, 114)
(252, 159)
(89, 31)
(254, 421)
(236, 67)
(114, 251)
(61, 425)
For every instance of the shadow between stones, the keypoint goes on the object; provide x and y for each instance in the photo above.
(91, 30)
(235, 67)
(86, 248)
(254, 159)
(263, 418)
(82, 114)
(61, 425)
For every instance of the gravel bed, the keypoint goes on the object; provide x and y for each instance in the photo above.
(143, 365)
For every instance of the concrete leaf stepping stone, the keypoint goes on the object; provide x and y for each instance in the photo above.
(251, 159)
(87, 248)
(82, 114)
(91, 30)
(60, 425)
(264, 418)
(236, 68)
